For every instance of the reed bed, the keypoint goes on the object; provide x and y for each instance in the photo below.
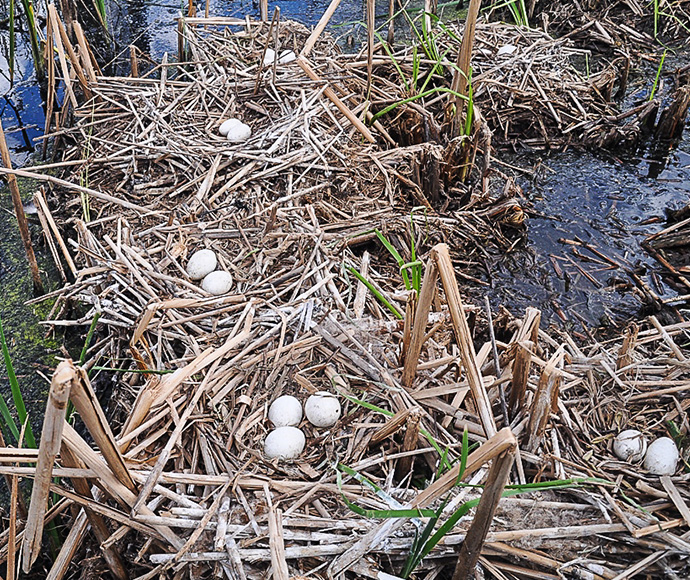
(171, 478)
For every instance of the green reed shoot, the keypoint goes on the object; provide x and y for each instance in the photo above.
(100, 10)
(380, 297)
(16, 396)
(470, 105)
(658, 76)
(517, 9)
(30, 16)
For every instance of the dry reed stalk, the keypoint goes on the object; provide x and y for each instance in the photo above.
(277, 543)
(76, 66)
(12, 538)
(69, 547)
(390, 36)
(491, 494)
(320, 27)
(134, 62)
(86, 403)
(50, 86)
(421, 318)
(441, 256)
(403, 467)
(305, 65)
(625, 357)
(66, 75)
(98, 524)
(522, 363)
(40, 201)
(461, 75)
(63, 380)
(391, 426)
(19, 212)
(91, 192)
(544, 403)
(371, 26)
(85, 55)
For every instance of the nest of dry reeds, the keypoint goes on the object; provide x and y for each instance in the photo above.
(298, 215)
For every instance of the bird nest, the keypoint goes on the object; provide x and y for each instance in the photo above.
(301, 215)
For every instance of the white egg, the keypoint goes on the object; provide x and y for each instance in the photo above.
(630, 445)
(238, 133)
(662, 457)
(201, 263)
(269, 57)
(322, 409)
(284, 411)
(217, 283)
(285, 443)
(287, 56)
(227, 125)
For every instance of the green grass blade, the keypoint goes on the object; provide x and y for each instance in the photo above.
(366, 405)
(16, 392)
(428, 93)
(470, 105)
(89, 338)
(375, 292)
(396, 65)
(9, 421)
(398, 258)
(658, 75)
(463, 454)
(33, 36)
(368, 513)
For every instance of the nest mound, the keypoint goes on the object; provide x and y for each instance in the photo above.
(298, 216)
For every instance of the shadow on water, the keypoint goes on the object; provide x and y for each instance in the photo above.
(599, 199)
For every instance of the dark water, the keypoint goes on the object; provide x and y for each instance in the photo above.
(607, 203)
(600, 199)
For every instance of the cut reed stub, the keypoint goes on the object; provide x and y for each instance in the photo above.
(64, 378)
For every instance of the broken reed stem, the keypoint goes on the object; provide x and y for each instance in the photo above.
(263, 10)
(98, 525)
(51, 437)
(497, 363)
(462, 71)
(69, 547)
(628, 347)
(493, 488)
(545, 401)
(522, 364)
(390, 38)
(441, 256)
(91, 413)
(390, 427)
(404, 465)
(19, 212)
(133, 60)
(421, 316)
